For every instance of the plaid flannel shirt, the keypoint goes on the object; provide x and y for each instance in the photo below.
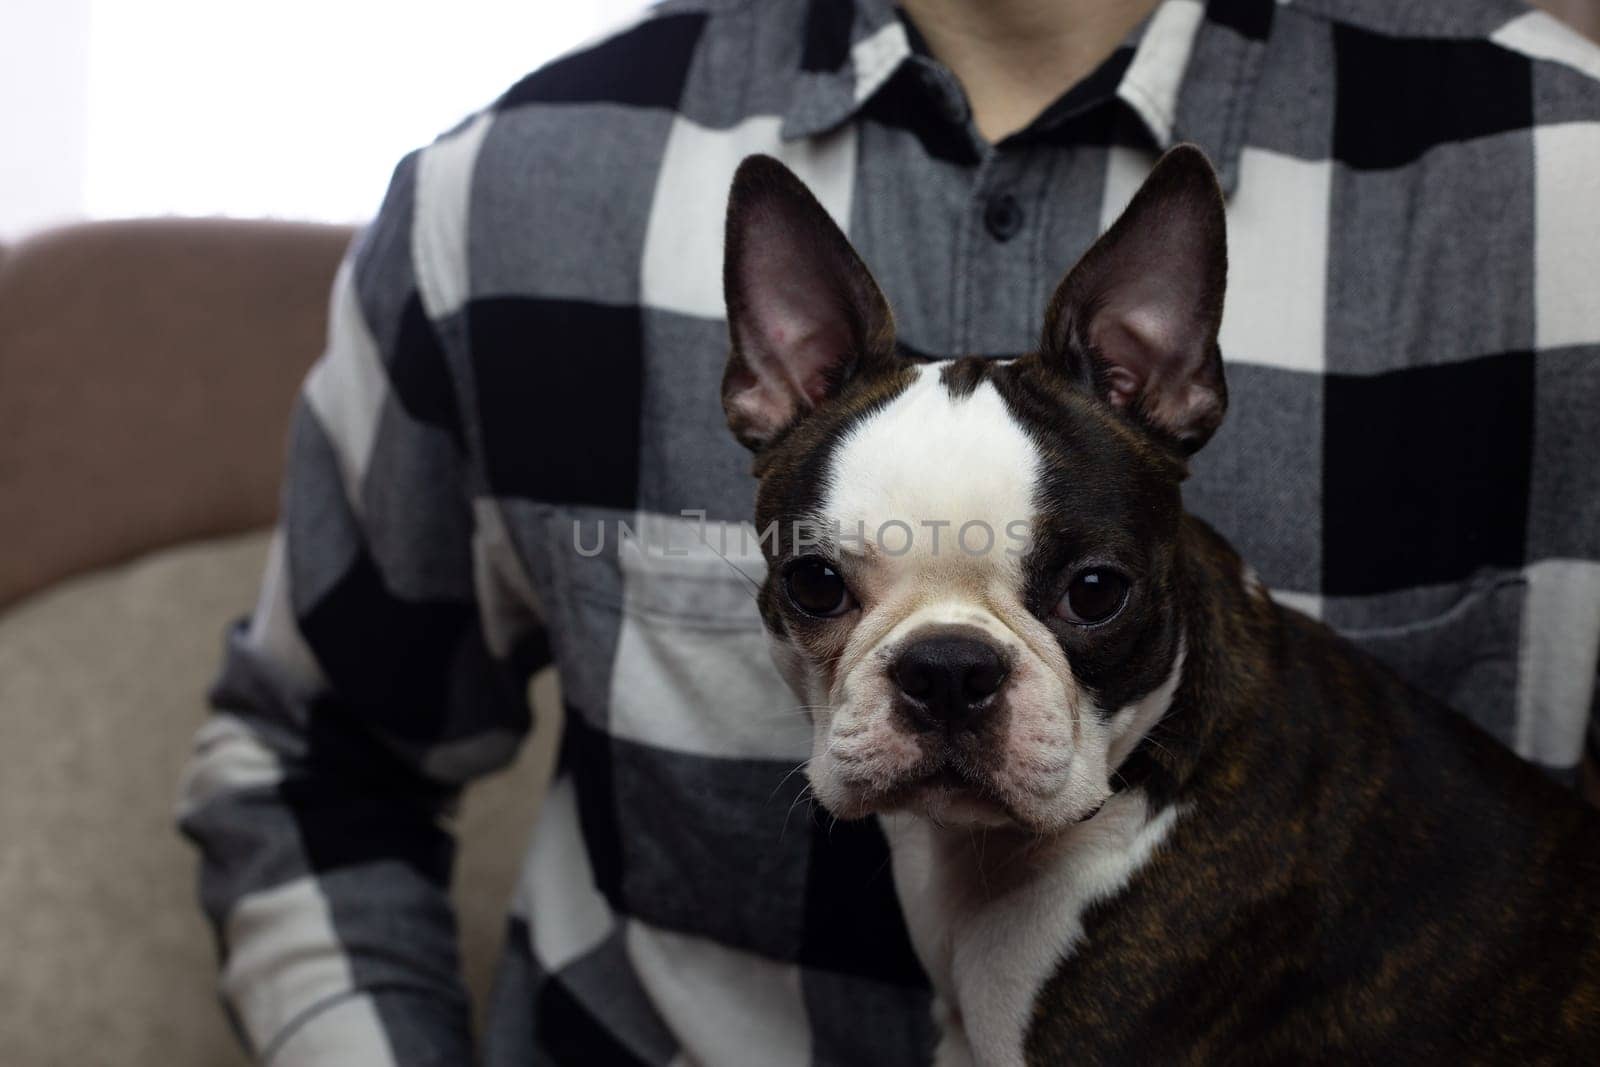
(526, 346)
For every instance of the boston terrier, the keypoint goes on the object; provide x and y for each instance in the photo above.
(1139, 813)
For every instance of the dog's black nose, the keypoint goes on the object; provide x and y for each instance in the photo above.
(946, 679)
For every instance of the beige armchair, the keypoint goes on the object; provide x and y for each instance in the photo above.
(147, 370)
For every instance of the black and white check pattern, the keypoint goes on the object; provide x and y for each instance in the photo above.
(530, 336)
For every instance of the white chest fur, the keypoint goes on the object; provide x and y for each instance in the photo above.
(992, 918)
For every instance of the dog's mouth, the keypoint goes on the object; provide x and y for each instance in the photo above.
(977, 777)
(952, 792)
(947, 792)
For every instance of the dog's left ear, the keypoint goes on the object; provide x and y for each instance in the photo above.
(804, 314)
(1136, 320)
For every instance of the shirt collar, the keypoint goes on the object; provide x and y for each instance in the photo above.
(1191, 77)
(852, 48)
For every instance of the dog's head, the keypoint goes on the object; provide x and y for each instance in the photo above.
(971, 565)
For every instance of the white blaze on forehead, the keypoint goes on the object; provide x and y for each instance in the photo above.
(928, 458)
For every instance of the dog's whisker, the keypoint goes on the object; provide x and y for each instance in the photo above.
(783, 713)
(803, 796)
(802, 765)
(754, 586)
(1159, 745)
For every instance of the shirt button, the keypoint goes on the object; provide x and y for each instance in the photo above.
(1003, 216)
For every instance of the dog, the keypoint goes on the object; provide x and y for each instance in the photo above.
(1138, 812)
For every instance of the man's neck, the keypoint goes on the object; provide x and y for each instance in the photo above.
(1015, 57)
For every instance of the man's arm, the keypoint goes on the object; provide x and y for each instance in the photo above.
(385, 665)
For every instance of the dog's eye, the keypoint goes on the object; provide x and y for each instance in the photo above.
(816, 588)
(1094, 596)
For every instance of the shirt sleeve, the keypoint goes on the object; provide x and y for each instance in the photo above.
(385, 665)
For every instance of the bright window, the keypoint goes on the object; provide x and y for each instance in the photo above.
(296, 108)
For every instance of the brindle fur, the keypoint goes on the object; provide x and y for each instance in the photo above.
(1359, 875)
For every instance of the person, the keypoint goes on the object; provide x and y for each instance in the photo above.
(512, 454)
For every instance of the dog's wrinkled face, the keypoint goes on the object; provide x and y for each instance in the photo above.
(971, 564)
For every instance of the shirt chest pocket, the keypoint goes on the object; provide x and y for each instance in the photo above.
(660, 641)
(1463, 652)
(681, 740)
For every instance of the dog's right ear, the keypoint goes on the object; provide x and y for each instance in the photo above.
(804, 314)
